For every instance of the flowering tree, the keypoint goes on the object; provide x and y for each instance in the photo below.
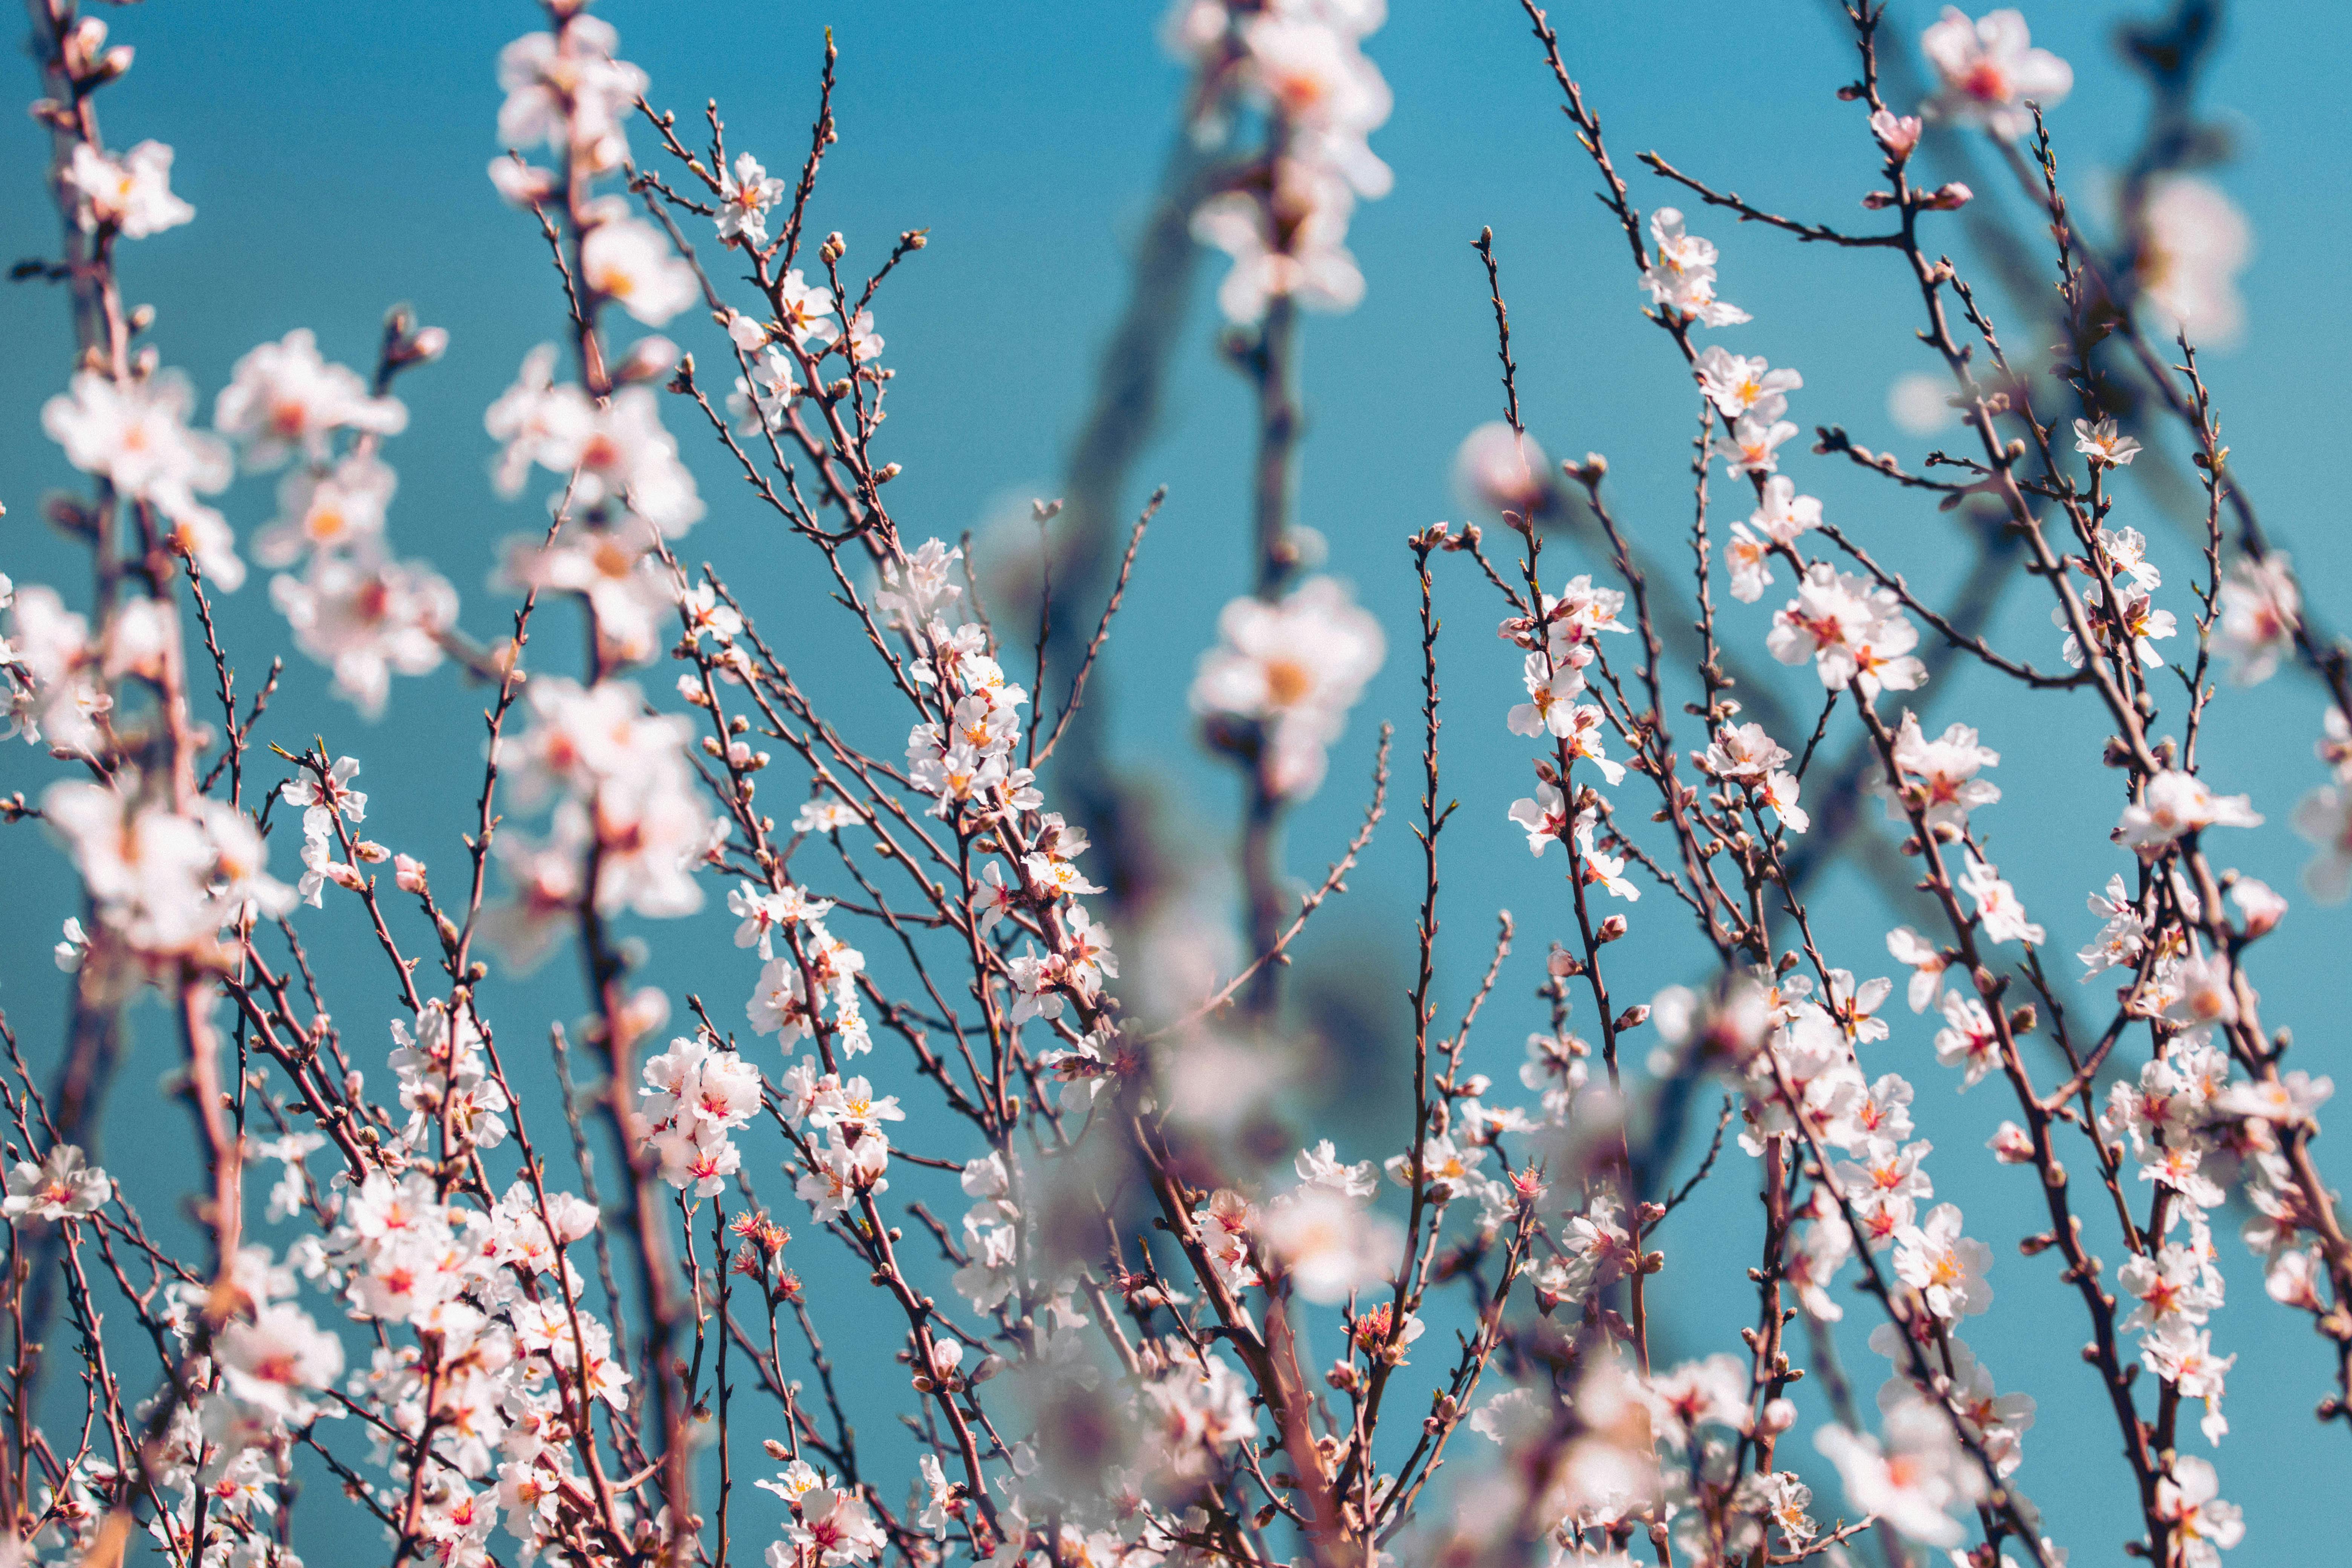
(520, 1319)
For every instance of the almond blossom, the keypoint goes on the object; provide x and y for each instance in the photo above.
(1998, 908)
(2324, 817)
(131, 195)
(1854, 633)
(745, 193)
(1989, 72)
(2104, 445)
(1968, 1040)
(1552, 690)
(54, 694)
(2261, 609)
(341, 508)
(1942, 773)
(566, 90)
(2283, 1102)
(1328, 1243)
(368, 622)
(832, 1528)
(1747, 557)
(1500, 469)
(2173, 803)
(2193, 241)
(2143, 624)
(135, 433)
(62, 1185)
(284, 399)
(1741, 386)
(2189, 1497)
(630, 262)
(1681, 276)
(1294, 668)
(1910, 1480)
(1754, 442)
(1782, 514)
(1927, 965)
(1305, 67)
(1607, 871)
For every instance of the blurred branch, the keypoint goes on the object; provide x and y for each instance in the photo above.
(1130, 388)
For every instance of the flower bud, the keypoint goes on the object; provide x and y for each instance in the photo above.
(648, 358)
(81, 44)
(2012, 1144)
(1502, 471)
(1897, 133)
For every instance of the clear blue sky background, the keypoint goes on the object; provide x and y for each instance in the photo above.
(335, 157)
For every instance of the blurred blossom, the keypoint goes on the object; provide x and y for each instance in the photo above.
(1331, 1243)
(2193, 243)
(131, 194)
(1917, 404)
(1911, 1478)
(1500, 469)
(1293, 668)
(284, 399)
(1214, 1084)
(1284, 223)
(1990, 72)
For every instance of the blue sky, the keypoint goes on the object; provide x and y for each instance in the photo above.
(335, 158)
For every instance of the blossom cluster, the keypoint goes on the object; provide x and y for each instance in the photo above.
(1301, 64)
(1562, 641)
(628, 829)
(1165, 1329)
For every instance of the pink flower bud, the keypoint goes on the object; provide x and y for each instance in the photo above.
(522, 183)
(2012, 1144)
(1501, 469)
(2262, 907)
(744, 332)
(648, 358)
(1897, 133)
